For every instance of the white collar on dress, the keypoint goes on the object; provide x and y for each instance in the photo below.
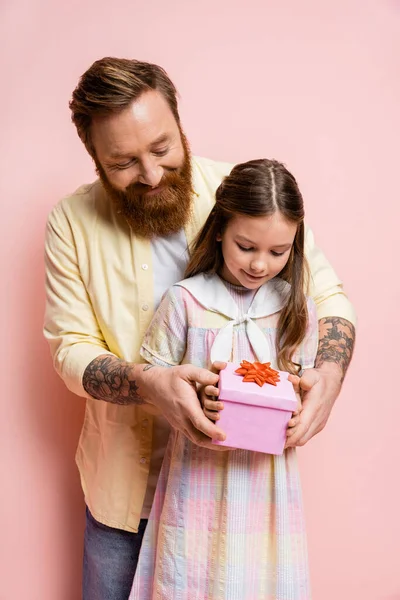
(212, 294)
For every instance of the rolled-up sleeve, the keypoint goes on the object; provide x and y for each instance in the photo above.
(325, 287)
(70, 325)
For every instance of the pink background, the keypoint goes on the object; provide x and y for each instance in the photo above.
(313, 83)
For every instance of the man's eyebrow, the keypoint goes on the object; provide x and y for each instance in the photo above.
(118, 154)
(160, 140)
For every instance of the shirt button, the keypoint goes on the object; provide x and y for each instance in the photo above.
(145, 422)
(145, 307)
(142, 460)
(145, 267)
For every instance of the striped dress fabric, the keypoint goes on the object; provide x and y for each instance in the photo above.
(224, 525)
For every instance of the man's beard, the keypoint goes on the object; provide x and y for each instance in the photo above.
(160, 214)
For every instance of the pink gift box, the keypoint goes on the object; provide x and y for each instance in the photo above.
(254, 417)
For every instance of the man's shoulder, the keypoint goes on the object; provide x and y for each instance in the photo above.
(86, 195)
(80, 205)
(211, 168)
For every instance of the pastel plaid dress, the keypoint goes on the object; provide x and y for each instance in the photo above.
(224, 525)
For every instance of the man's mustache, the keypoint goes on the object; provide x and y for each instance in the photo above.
(167, 179)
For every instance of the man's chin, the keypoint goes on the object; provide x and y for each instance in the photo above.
(150, 230)
(154, 217)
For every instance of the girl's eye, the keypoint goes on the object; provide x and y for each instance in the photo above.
(244, 249)
(274, 253)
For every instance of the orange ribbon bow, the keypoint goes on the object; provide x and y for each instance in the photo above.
(257, 372)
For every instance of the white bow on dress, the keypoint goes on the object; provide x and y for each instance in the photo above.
(212, 294)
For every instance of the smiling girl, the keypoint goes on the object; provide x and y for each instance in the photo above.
(229, 525)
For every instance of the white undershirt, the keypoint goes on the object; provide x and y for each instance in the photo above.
(170, 257)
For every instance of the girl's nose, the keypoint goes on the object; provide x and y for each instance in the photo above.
(258, 266)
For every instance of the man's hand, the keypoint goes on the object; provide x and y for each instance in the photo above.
(295, 380)
(319, 388)
(174, 392)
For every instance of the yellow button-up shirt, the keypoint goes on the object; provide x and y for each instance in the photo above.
(99, 285)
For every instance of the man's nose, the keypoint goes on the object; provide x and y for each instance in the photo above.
(150, 173)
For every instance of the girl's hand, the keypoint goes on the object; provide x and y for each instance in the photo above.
(212, 406)
(295, 420)
(208, 396)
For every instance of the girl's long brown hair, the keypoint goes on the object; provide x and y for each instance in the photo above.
(260, 188)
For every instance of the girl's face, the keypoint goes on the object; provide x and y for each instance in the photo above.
(256, 249)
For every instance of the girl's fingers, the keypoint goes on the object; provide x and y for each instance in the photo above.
(213, 415)
(295, 380)
(211, 390)
(291, 430)
(213, 405)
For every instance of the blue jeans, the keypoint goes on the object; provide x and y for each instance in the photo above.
(109, 560)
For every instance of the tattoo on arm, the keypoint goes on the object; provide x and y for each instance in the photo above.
(147, 367)
(111, 379)
(336, 342)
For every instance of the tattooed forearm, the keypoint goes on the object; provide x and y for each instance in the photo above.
(111, 379)
(336, 342)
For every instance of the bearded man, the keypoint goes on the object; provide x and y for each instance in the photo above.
(112, 249)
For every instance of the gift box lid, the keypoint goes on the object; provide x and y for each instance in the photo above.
(234, 389)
